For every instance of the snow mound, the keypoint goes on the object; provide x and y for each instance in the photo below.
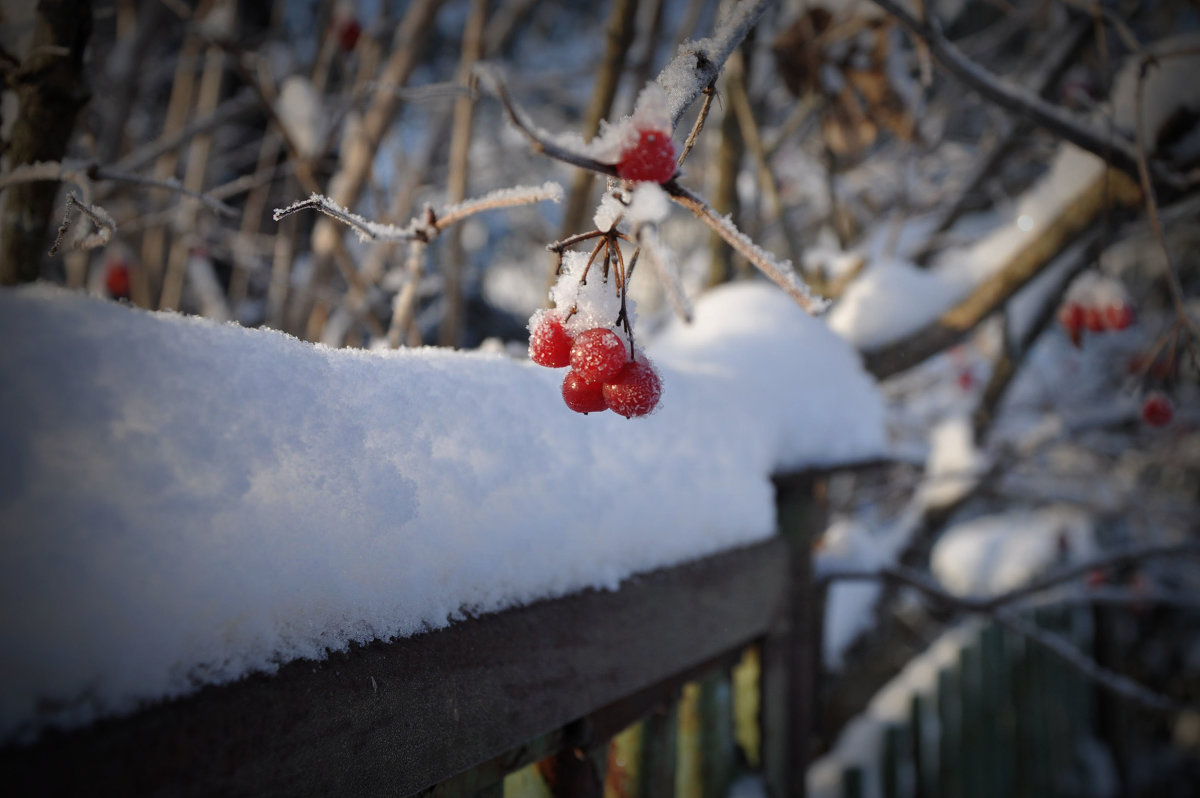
(998, 553)
(186, 502)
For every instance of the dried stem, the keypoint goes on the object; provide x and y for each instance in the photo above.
(710, 91)
(781, 273)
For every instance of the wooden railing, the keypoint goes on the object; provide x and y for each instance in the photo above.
(453, 711)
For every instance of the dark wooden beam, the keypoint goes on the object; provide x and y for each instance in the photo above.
(399, 717)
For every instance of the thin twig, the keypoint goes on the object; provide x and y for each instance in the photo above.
(710, 91)
(780, 273)
(105, 226)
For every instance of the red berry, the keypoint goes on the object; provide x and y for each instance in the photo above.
(348, 32)
(1093, 319)
(116, 280)
(598, 354)
(550, 343)
(1157, 410)
(652, 158)
(583, 396)
(1070, 316)
(1118, 316)
(635, 390)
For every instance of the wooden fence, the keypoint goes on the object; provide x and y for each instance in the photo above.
(1006, 719)
(452, 712)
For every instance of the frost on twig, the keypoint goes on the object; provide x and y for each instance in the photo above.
(424, 228)
(366, 229)
(103, 223)
(780, 272)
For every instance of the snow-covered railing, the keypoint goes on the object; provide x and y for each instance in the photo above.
(237, 563)
(453, 711)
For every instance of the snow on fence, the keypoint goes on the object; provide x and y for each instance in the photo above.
(983, 712)
(235, 563)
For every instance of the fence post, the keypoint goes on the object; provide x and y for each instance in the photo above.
(791, 649)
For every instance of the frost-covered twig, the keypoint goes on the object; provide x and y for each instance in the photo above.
(500, 198)
(366, 229)
(780, 272)
(105, 226)
(82, 174)
(428, 226)
(699, 62)
(1112, 148)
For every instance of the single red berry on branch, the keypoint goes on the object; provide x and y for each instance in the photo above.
(348, 32)
(1070, 316)
(116, 280)
(581, 395)
(1157, 410)
(651, 159)
(550, 343)
(598, 354)
(634, 391)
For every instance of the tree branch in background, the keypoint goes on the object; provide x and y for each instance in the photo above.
(999, 608)
(454, 263)
(1113, 148)
(621, 26)
(50, 92)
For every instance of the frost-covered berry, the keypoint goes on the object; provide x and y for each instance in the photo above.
(1118, 316)
(1071, 317)
(581, 395)
(549, 342)
(1157, 410)
(635, 390)
(652, 158)
(598, 354)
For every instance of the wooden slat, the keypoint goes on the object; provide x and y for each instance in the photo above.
(397, 718)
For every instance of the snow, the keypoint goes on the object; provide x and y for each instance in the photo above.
(195, 502)
(891, 299)
(997, 553)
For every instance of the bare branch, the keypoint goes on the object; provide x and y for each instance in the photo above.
(1110, 147)
(781, 273)
(105, 226)
(366, 229)
(710, 91)
(541, 143)
(1068, 653)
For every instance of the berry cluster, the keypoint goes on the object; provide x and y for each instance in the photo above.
(603, 375)
(651, 158)
(1095, 304)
